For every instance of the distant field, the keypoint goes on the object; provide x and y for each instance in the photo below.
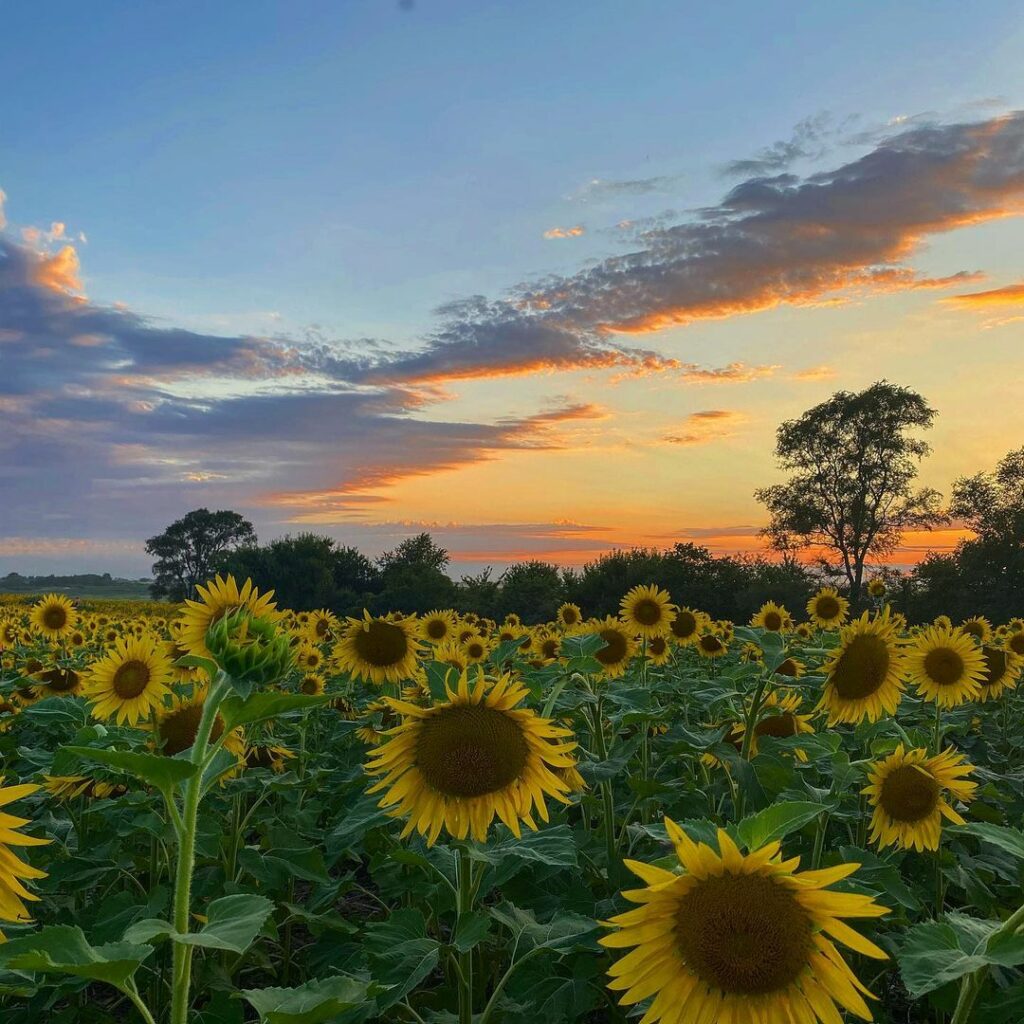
(85, 586)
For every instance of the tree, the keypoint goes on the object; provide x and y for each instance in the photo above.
(298, 569)
(188, 552)
(533, 590)
(413, 577)
(853, 462)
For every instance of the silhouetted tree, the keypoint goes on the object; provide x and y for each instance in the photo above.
(853, 461)
(413, 577)
(533, 590)
(189, 550)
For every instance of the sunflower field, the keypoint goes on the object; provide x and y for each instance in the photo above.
(228, 812)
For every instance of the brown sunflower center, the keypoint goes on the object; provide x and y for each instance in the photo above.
(909, 794)
(772, 622)
(381, 644)
(469, 750)
(743, 934)
(862, 667)
(130, 679)
(995, 665)
(310, 686)
(615, 649)
(944, 666)
(55, 616)
(60, 680)
(657, 646)
(974, 628)
(684, 625)
(549, 647)
(647, 611)
(710, 643)
(788, 668)
(779, 726)
(827, 607)
(475, 649)
(569, 616)
(177, 731)
(1016, 643)
(437, 629)
(322, 627)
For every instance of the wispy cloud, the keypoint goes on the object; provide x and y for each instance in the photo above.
(598, 189)
(809, 140)
(573, 232)
(1008, 295)
(706, 426)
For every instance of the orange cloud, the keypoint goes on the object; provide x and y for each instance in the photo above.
(822, 372)
(573, 232)
(59, 272)
(1010, 295)
(707, 425)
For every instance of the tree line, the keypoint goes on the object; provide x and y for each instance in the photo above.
(849, 497)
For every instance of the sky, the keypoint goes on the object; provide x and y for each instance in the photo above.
(539, 278)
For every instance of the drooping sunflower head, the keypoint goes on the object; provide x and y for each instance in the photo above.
(946, 665)
(647, 611)
(177, 726)
(53, 616)
(437, 626)
(379, 650)
(619, 648)
(772, 618)
(130, 682)
(793, 668)
(827, 609)
(739, 937)
(569, 615)
(943, 621)
(1002, 670)
(686, 626)
(217, 599)
(979, 627)
(864, 672)
(456, 765)
(907, 791)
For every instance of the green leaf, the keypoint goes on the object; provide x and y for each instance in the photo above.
(63, 949)
(232, 922)
(776, 822)
(404, 966)
(317, 1001)
(470, 931)
(264, 705)
(561, 932)
(162, 772)
(208, 665)
(582, 645)
(1009, 839)
(553, 846)
(937, 953)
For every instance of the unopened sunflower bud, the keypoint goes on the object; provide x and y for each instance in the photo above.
(249, 648)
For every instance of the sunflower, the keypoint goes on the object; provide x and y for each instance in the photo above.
(459, 764)
(509, 634)
(864, 673)
(877, 588)
(312, 684)
(130, 682)
(827, 609)
(772, 618)
(13, 870)
(308, 657)
(907, 791)
(512, 619)
(176, 727)
(647, 611)
(946, 665)
(268, 755)
(711, 646)
(741, 938)
(619, 647)
(322, 625)
(219, 597)
(658, 650)
(9, 708)
(1015, 644)
(686, 626)
(943, 620)
(380, 650)
(547, 645)
(476, 650)
(569, 615)
(451, 654)
(437, 626)
(56, 681)
(54, 616)
(73, 787)
(979, 627)
(804, 631)
(792, 668)
(1002, 670)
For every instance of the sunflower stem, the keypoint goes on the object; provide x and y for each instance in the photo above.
(937, 730)
(463, 907)
(971, 985)
(181, 976)
(607, 798)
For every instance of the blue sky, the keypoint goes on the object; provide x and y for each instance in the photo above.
(335, 172)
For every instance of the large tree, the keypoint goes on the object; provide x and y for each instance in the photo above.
(188, 552)
(850, 496)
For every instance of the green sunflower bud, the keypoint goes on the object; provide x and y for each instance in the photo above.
(249, 649)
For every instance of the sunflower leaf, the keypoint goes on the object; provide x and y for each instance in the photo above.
(63, 949)
(1009, 839)
(264, 705)
(312, 1003)
(232, 922)
(776, 822)
(159, 771)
